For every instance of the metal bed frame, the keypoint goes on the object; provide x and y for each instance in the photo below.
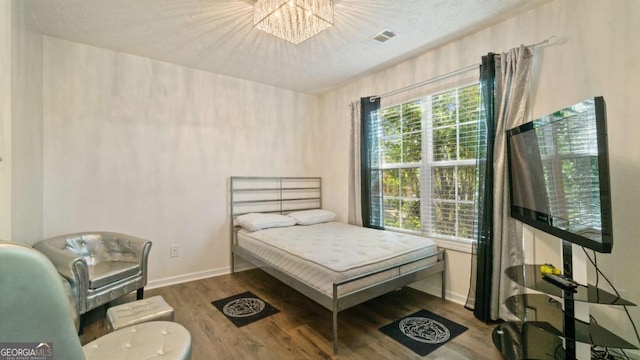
(287, 194)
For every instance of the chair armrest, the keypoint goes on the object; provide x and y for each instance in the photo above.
(64, 261)
(70, 266)
(73, 303)
(124, 247)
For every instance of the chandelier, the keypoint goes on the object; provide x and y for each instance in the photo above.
(293, 20)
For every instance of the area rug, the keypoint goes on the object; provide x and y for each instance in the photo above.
(423, 332)
(245, 308)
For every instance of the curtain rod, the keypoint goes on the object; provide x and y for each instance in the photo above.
(549, 41)
(422, 83)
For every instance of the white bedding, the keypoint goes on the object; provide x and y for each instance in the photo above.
(322, 254)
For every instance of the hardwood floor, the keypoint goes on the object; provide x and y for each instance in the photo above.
(302, 329)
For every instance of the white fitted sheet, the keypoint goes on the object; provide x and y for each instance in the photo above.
(321, 254)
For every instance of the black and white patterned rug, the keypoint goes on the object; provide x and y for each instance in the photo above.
(423, 332)
(245, 308)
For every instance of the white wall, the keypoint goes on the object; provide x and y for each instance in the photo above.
(5, 120)
(598, 55)
(20, 125)
(143, 147)
(26, 131)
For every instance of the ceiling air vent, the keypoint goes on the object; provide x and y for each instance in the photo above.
(383, 35)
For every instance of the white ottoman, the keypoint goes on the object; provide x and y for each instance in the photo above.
(151, 340)
(151, 309)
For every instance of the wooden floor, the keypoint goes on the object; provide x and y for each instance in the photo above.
(302, 329)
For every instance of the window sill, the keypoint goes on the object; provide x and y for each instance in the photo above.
(460, 245)
(464, 246)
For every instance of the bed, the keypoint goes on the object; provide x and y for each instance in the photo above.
(376, 261)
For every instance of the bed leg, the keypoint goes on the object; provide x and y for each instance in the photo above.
(444, 288)
(233, 264)
(335, 331)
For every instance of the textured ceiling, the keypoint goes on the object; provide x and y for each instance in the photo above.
(218, 35)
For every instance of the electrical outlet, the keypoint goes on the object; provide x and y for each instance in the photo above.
(174, 251)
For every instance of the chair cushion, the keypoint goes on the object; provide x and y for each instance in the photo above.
(136, 312)
(104, 273)
(151, 340)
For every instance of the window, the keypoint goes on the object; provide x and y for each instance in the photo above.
(428, 161)
(401, 150)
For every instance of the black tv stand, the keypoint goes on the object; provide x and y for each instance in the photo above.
(545, 324)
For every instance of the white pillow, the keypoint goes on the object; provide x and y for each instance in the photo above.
(310, 217)
(257, 221)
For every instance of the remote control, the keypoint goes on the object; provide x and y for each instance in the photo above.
(561, 281)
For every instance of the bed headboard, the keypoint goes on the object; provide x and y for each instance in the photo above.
(279, 195)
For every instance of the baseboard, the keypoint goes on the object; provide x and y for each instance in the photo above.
(173, 280)
(457, 298)
(244, 267)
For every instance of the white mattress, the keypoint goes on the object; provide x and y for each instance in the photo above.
(321, 254)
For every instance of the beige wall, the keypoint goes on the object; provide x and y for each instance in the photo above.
(598, 55)
(143, 147)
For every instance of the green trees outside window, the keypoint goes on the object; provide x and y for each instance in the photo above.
(428, 149)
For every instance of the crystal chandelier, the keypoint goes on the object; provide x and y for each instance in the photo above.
(293, 20)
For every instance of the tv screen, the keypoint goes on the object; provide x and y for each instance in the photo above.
(559, 174)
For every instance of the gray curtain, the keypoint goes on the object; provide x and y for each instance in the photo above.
(355, 191)
(513, 77)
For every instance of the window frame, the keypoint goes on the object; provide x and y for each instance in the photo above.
(427, 164)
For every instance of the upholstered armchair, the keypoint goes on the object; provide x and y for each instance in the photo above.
(100, 266)
(36, 313)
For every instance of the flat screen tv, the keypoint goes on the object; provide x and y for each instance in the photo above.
(559, 174)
